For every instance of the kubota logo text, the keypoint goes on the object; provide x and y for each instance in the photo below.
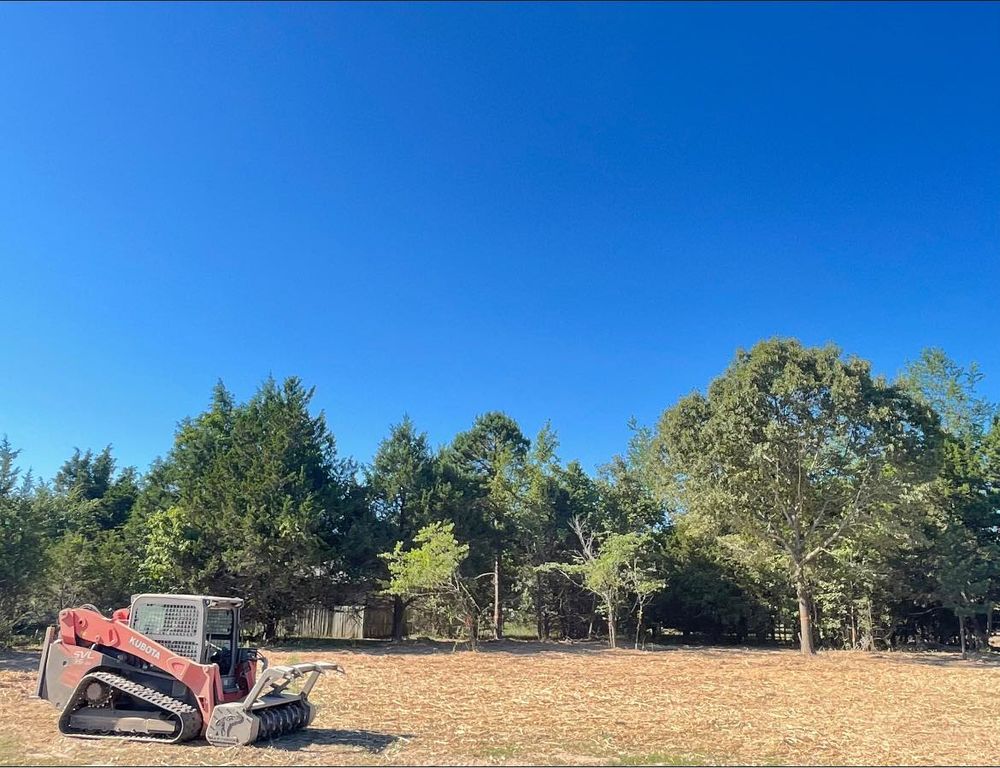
(144, 647)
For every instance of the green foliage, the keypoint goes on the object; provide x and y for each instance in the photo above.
(95, 545)
(797, 481)
(430, 571)
(429, 566)
(95, 497)
(617, 568)
(251, 498)
(794, 449)
(401, 480)
(22, 541)
(489, 464)
(950, 390)
(714, 589)
(97, 569)
(627, 502)
(959, 527)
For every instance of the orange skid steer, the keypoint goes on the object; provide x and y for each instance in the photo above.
(170, 668)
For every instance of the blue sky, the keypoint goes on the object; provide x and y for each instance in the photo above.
(568, 212)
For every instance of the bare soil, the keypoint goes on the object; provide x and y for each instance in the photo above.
(531, 703)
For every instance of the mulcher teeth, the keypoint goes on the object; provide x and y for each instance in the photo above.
(267, 711)
(282, 719)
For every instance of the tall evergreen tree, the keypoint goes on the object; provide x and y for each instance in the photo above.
(22, 541)
(401, 481)
(960, 528)
(490, 457)
(540, 514)
(255, 487)
(94, 551)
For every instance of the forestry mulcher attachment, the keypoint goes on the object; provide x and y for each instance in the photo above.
(170, 668)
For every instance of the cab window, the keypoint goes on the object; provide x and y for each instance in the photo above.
(219, 637)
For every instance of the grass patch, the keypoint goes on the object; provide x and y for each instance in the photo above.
(504, 752)
(11, 752)
(658, 758)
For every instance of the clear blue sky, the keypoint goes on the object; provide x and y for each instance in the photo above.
(574, 212)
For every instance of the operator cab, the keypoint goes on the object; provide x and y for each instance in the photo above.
(202, 628)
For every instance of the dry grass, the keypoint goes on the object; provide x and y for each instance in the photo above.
(528, 703)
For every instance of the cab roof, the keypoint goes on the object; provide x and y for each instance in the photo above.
(207, 599)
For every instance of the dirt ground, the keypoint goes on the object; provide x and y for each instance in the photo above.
(532, 703)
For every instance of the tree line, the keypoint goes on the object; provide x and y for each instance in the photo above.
(798, 490)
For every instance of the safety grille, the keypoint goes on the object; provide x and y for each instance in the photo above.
(219, 621)
(178, 620)
(182, 648)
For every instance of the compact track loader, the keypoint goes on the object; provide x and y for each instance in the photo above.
(170, 668)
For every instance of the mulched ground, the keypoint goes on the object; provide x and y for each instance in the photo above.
(533, 703)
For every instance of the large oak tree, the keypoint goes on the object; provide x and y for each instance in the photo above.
(792, 449)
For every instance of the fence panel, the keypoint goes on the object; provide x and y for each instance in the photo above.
(342, 622)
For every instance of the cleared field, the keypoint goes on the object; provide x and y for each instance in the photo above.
(532, 703)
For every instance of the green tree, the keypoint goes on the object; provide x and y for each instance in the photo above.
(578, 497)
(541, 516)
(401, 480)
(22, 542)
(960, 525)
(94, 550)
(490, 457)
(617, 568)
(626, 502)
(951, 390)
(431, 570)
(255, 493)
(621, 499)
(855, 582)
(964, 571)
(96, 497)
(795, 448)
(712, 588)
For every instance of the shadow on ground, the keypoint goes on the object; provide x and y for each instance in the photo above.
(372, 742)
(941, 658)
(19, 661)
(426, 646)
(423, 646)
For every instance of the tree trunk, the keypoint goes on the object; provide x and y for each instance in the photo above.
(814, 615)
(472, 623)
(539, 624)
(805, 618)
(398, 617)
(270, 630)
(638, 628)
(982, 633)
(871, 625)
(612, 638)
(497, 610)
(961, 634)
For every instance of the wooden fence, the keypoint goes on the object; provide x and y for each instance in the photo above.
(343, 622)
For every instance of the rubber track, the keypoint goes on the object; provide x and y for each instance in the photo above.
(187, 716)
